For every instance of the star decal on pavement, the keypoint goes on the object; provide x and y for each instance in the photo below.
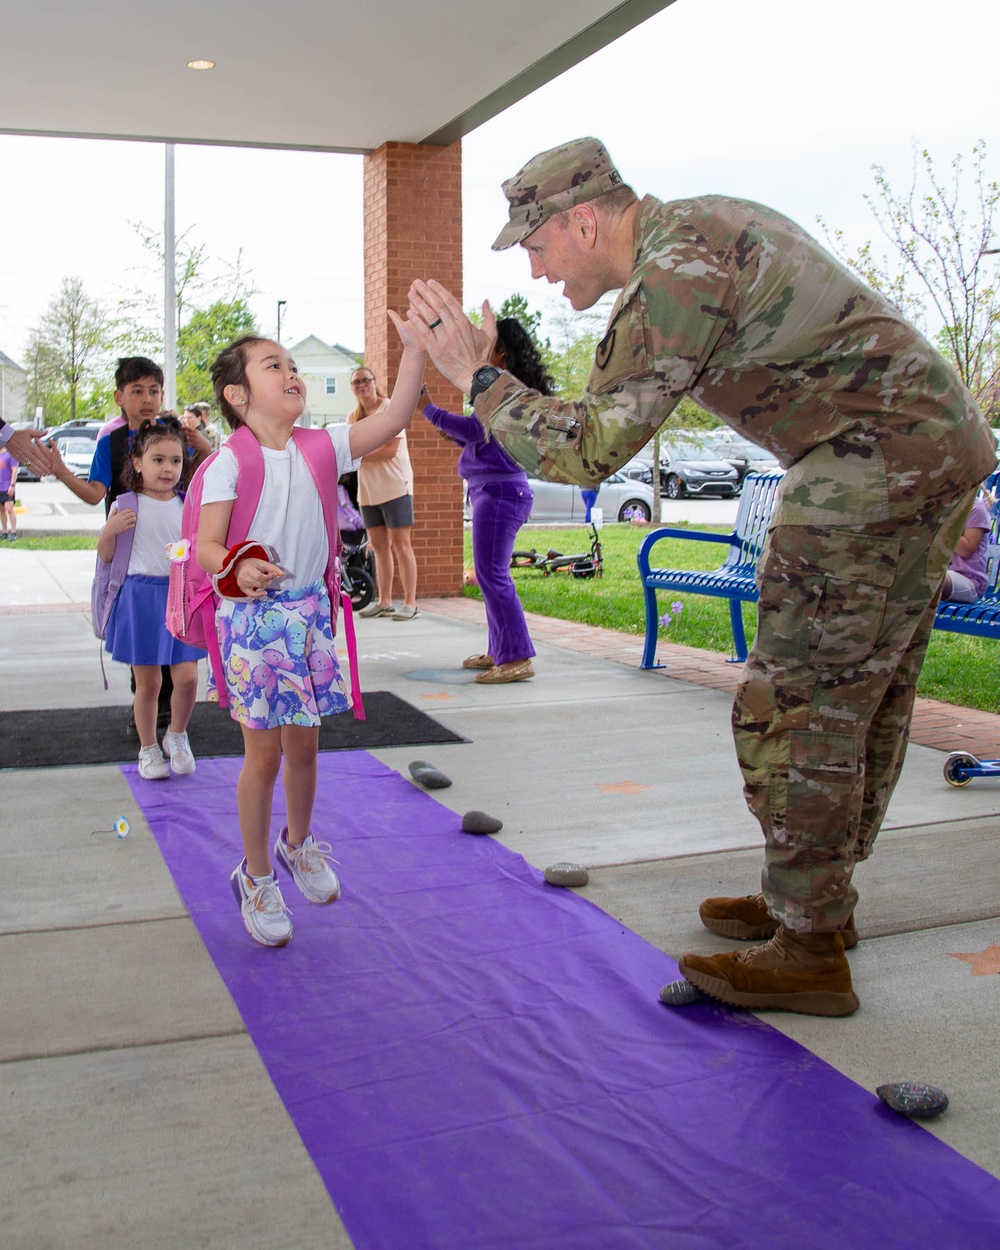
(440, 697)
(621, 787)
(982, 963)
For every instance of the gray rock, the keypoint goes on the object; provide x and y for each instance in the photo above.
(479, 822)
(680, 994)
(567, 874)
(428, 776)
(913, 1099)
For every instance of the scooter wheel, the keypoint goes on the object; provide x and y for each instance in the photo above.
(957, 768)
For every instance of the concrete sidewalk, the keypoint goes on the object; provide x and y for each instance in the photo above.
(128, 1079)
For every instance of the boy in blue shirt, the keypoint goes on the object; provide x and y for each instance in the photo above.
(139, 396)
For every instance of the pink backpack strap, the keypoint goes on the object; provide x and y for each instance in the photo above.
(317, 451)
(249, 483)
(250, 486)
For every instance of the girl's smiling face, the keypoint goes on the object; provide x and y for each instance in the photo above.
(275, 388)
(160, 465)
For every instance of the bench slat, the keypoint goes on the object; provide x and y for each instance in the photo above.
(735, 579)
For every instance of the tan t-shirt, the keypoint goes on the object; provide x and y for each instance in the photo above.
(382, 480)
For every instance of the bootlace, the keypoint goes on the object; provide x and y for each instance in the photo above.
(753, 953)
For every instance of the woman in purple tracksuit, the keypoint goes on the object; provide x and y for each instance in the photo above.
(501, 503)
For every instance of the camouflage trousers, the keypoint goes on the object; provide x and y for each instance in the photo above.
(822, 712)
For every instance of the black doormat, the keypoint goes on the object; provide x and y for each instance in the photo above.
(97, 735)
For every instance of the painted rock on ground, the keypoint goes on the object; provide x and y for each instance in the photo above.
(428, 776)
(567, 874)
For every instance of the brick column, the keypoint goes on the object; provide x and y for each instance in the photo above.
(413, 229)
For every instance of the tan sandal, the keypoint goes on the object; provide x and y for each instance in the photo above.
(478, 661)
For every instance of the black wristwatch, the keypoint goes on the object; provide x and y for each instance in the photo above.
(482, 380)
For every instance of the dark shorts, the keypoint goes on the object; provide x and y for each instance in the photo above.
(394, 514)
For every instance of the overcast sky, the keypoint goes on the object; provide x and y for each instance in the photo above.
(781, 101)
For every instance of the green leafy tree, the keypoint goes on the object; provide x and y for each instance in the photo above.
(205, 333)
(212, 300)
(66, 350)
(942, 270)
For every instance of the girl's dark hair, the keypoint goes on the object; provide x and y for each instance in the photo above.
(230, 369)
(521, 356)
(166, 426)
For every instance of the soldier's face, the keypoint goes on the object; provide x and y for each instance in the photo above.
(559, 252)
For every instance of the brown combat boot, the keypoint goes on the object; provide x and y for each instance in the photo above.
(748, 920)
(803, 972)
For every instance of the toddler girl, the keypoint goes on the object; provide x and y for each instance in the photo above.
(136, 631)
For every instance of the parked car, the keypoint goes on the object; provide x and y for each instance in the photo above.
(745, 456)
(687, 469)
(77, 454)
(620, 499)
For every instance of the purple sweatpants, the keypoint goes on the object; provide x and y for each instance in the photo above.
(499, 509)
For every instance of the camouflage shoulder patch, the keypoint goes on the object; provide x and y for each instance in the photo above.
(605, 349)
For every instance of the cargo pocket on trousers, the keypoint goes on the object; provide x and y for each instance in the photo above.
(822, 800)
(851, 610)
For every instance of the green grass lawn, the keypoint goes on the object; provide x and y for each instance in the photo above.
(53, 542)
(958, 669)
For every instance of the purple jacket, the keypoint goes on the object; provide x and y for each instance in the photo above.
(482, 459)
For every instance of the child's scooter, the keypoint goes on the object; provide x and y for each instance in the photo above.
(960, 767)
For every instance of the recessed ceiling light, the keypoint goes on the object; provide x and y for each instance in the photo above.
(201, 64)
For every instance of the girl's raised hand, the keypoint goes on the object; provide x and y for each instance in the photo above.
(407, 332)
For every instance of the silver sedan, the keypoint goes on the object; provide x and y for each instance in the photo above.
(619, 499)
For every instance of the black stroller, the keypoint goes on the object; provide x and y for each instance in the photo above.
(357, 560)
(357, 568)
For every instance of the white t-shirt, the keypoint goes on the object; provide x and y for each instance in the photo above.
(157, 522)
(289, 517)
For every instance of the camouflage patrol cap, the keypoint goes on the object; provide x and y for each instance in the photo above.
(553, 182)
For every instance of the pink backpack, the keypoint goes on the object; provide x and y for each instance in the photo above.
(191, 598)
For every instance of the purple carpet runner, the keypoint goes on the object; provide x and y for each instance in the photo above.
(483, 1063)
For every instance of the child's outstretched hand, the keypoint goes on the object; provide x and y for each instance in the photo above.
(254, 576)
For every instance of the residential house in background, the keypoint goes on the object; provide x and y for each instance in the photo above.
(13, 390)
(327, 374)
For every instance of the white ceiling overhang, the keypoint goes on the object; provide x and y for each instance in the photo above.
(299, 74)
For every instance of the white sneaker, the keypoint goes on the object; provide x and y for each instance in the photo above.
(178, 750)
(309, 866)
(152, 765)
(262, 907)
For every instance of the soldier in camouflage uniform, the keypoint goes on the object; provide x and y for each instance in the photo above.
(883, 447)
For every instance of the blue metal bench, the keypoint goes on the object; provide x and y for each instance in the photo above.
(982, 618)
(734, 580)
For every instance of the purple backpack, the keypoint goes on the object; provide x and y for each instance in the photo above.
(109, 578)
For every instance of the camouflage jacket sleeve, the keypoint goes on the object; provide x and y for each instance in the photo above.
(662, 331)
